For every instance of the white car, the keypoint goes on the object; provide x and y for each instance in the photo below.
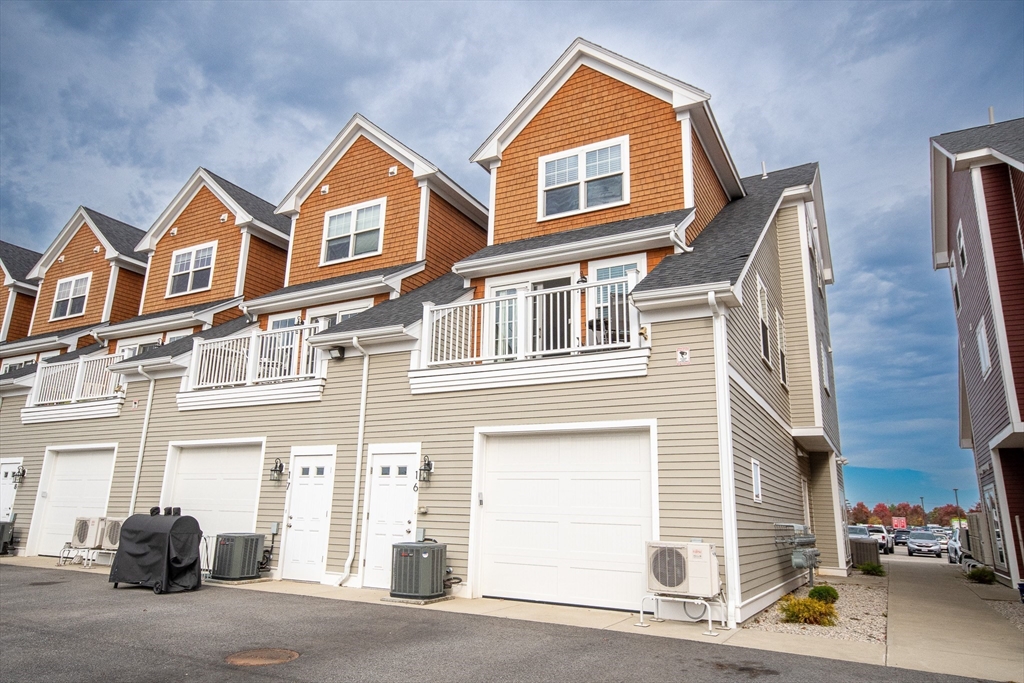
(885, 539)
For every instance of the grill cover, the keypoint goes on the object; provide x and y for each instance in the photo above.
(159, 551)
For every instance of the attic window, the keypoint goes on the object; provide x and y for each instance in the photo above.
(71, 295)
(584, 179)
(192, 269)
(353, 232)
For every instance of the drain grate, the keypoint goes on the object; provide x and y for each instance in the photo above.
(262, 657)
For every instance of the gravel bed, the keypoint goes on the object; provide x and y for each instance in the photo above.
(1014, 611)
(862, 615)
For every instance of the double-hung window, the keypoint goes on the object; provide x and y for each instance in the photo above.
(762, 317)
(192, 269)
(984, 355)
(69, 300)
(956, 286)
(584, 179)
(961, 250)
(781, 331)
(353, 231)
(825, 376)
(755, 479)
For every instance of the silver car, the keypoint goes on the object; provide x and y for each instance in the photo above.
(923, 543)
(954, 549)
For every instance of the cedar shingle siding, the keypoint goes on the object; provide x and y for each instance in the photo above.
(78, 259)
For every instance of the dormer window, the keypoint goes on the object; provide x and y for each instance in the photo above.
(72, 292)
(192, 269)
(353, 232)
(584, 179)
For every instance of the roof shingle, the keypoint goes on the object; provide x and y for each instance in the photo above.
(1006, 137)
(123, 237)
(18, 260)
(258, 208)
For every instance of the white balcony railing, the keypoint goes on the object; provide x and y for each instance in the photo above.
(261, 357)
(566, 320)
(84, 379)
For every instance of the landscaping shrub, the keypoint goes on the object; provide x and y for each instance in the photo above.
(807, 611)
(982, 575)
(826, 594)
(871, 569)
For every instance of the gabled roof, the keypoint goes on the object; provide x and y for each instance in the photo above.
(17, 262)
(117, 237)
(250, 211)
(963, 149)
(330, 290)
(682, 96)
(169, 319)
(359, 126)
(398, 313)
(724, 247)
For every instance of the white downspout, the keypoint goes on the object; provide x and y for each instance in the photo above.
(725, 462)
(142, 440)
(359, 464)
(679, 241)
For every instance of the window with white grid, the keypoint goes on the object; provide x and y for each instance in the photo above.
(192, 269)
(763, 320)
(72, 292)
(353, 232)
(781, 331)
(584, 179)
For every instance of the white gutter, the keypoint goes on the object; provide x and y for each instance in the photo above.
(359, 464)
(679, 241)
(727, 476)
(142, 440)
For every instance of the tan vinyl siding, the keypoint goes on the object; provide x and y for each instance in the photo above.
(31, 441)
(681, 398)
(744, 331)
(757, 436)
(793, 267)
(829, 409)
(823, 520)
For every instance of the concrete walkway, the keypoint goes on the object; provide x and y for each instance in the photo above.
(938, 623)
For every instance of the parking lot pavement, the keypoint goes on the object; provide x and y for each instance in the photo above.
(70, 626)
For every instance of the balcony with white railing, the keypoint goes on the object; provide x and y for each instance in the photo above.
(84, 379)
(578, 320)
(259, 358)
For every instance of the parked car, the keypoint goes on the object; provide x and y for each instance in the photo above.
(943, 539)
(885, 541)
(899, 537)
(923, 543)
(955, 552)
(857, 532)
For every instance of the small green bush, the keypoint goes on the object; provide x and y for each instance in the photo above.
(826, 594)
(871, 569)
(807, 611)
(982, 575)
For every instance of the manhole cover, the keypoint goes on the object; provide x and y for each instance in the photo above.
(46, 583)
(262, 657)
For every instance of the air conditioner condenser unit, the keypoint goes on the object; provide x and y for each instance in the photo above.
(87, 533)
(683, 569)
(111, 536)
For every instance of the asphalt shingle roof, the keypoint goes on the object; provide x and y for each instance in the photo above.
(47, 335)
(76, 354)
(195, 308)
(722, 248)
(23, 371)
(183, 345)
(123, 237)
(581, 234)
(353, 277)
(258, 208)
(1006, 137)
(18, 260)
(407, 308)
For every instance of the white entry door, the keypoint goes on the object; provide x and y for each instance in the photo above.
(392, 513)
(77, 486)
(565, 517)
(308, 522)
(7, 490)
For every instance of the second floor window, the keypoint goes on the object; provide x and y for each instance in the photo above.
(781, 328)
(585, 178)
(961, 249)
(71, 295)
(353, 231)
(762, 316)
(192, 269)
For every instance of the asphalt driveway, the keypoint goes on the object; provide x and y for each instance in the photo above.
(65, 626)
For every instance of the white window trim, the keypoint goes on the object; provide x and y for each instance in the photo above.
(194, 248)
(288, 315)
(780, 333)
(981, 333)
(85, 304)
(755, 480)
(762, 318)
(17, 360)
(581, 153)
(174, 335)
(383, 201)
(961, 247)
(344, 308)
(134, 342)
(571, 271)
(592, 267)
(955, 282)
(826, 380)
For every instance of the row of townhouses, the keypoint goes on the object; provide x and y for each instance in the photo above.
(630, 344)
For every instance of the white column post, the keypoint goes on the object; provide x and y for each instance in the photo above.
(426, 334)
(193, 364)
(632, 277)
(76, 393)
(522, 325)
(254, 358)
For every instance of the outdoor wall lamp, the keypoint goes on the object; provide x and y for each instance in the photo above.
(582, 280)
(276, 470)
(425, 469)
(337, 353)
(18, 476)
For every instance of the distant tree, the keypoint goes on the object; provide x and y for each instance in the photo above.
(976, 507)
(901, 510)
(860, 513)
(883, 513)
(916, 516)
(874, 520)
(942, 515)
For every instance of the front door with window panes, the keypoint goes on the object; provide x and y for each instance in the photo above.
(506, 331)
(552, 314)
(609, 322)
(392, 513)
(308, 524)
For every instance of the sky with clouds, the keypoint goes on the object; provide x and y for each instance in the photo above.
(113, 105)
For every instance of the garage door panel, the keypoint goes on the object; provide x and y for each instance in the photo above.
(78, 486)
(218, 486)
(566, 517)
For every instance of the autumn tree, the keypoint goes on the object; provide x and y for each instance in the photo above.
(883, 513)
(942, 515)
(860, 514)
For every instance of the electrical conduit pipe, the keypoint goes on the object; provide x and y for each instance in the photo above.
(142, 439)
(359, 465)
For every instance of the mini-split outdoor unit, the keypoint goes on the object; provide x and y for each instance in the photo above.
(237, 556)
(683, 569)
(87, 533)
(111, 536)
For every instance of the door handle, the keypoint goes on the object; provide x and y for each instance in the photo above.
(288, 525)
(408, 531)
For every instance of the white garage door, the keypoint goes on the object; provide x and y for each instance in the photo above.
(218, 485)
(77, 486)
(565, 518)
